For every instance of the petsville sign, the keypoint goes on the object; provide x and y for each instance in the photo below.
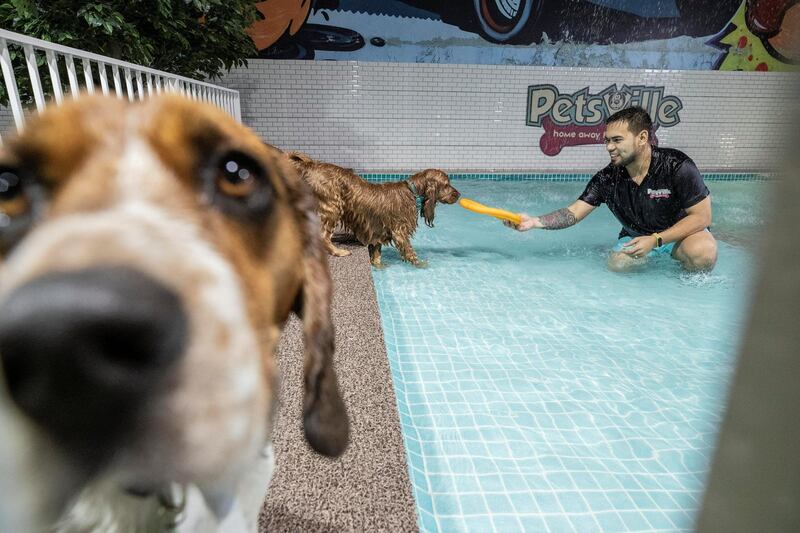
(578, 118)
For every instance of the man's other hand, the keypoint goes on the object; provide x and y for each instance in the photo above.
(640, 246)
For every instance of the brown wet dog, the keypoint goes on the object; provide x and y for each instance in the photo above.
(377, 213)
(150, 254)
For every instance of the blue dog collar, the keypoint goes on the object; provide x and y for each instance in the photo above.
(417, 197)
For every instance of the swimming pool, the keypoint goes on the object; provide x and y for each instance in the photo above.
(539, 392)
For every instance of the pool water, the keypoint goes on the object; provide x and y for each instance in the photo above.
(538, 391)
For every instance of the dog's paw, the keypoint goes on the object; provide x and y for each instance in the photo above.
(421, 263)
(378, 265)
(340, 252)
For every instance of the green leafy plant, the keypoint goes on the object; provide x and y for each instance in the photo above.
(200, 39)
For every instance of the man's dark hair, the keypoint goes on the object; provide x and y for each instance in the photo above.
(637, 118)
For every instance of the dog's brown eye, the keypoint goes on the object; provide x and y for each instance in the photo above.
(238, 184)
(236, 178)
(20, 199)
(13, 201)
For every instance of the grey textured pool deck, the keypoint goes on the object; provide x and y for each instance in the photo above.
(367, 489)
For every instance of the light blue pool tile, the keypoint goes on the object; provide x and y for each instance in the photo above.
(415, 458)
(449, 524)
(491, 483)
(506, 523)
(523, 502)
(658, 520)
(572, 502)
(573, 464)
(467, 483)
(428, 523)
(441, 484)
(502, 453)
(558, 523)
(642, 500)
(670, 483)
(479, 524)
(452, 447)
(419, 487)
(443, 420)
(519, 449)
(551, 463)
(647, 482)
(499, 503)
(483, 420)
(469, 433)
(628, 482)
(430, 446)
(634, 521)
(663, 500)
(465, 421)
(548, 503)
(655, 467)
(424, 501)
(611, 522)
(514, 482)
(445, 504)
(584, 480)
(559, 480)
(620, 500)
(484, 464)
(607, 481)
(598, 502)
(476, 504)
(413, 446)
(533, 524)
(584, 523)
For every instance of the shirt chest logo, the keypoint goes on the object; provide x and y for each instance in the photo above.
(658, 193)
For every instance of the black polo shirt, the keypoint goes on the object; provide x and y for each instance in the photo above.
(672, 185)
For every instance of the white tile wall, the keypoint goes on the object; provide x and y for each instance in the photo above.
(6, 121)
(406, 116)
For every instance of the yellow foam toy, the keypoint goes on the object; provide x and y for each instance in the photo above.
(502, 214)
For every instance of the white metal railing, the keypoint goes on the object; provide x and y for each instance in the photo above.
(127, 80)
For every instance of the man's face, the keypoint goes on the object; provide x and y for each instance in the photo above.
(622, 145)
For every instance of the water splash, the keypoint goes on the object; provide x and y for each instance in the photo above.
(703, 279)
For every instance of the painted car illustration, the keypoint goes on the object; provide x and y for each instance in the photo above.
(593, 21)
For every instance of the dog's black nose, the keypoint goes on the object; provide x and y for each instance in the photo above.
(83, 351)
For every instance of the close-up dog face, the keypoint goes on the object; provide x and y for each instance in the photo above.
(436, 188)
(149, 255)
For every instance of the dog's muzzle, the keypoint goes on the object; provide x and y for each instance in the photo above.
(83, 351)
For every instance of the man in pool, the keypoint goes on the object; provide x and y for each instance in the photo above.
(657, 194)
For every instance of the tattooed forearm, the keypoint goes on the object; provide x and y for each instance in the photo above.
(563, 218)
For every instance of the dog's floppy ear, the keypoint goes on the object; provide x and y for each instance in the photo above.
(324, 415)
(429, 192)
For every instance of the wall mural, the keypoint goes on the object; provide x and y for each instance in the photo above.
(670, 34)
(764, 35)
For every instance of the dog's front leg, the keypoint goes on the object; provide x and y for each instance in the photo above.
(375, 255)
(327, 235)
(329, 218)
(408, 254)
(334, 251)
